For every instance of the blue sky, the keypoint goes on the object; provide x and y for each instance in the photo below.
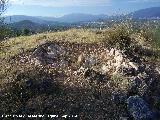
(62, 7)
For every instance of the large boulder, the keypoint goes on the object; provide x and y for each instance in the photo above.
(47, 54)
(39, 52)
(39, 55)
(139, 109)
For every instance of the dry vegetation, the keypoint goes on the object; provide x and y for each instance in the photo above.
(13, 45)
(30, 89)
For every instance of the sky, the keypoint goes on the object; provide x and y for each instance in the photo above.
(56, 8)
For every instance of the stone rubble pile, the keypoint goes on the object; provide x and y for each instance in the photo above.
(117, 62)
(142, 77)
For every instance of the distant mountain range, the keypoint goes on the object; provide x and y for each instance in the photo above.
(71, 18)
(40, 24)
(18, 18)
(35, 27)
(148, 13)
(27, 24)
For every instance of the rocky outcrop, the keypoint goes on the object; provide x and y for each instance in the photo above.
(117, 62)
(48, 54)
(97, 66)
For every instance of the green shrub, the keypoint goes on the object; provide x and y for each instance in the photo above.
(4, 30)
(25, 32)
(118, 36)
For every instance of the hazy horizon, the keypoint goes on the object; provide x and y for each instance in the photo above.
(54, 8)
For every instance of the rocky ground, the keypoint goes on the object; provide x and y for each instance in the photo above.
(89, 80)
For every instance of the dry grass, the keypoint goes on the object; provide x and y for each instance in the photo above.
(66, 93)
(13, 46)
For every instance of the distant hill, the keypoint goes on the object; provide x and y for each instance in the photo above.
(148, 13)
(37, 27)
(27, 24)
(18, 18)
(71, 18)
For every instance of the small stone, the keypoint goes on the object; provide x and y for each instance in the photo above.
(90, 61)
(118, 97)
(124, 118)
(112, 52)
(39, 56)
(134, 86)
(138, 108)
(93, 75)
(129, 71)
(56, 49)
(135, 59)
(133, 65)
(81, 59)
(158, 70)
(104, 69)
(25, 80)
(28, 82)
(118, 53)
(141, 68)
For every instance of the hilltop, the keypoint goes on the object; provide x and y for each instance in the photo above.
(82, 73)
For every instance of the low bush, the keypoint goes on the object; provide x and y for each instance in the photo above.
(118, 36)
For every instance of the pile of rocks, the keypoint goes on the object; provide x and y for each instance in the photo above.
(97, 67)
(117, 62)
(142, 79)
(111, 61)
